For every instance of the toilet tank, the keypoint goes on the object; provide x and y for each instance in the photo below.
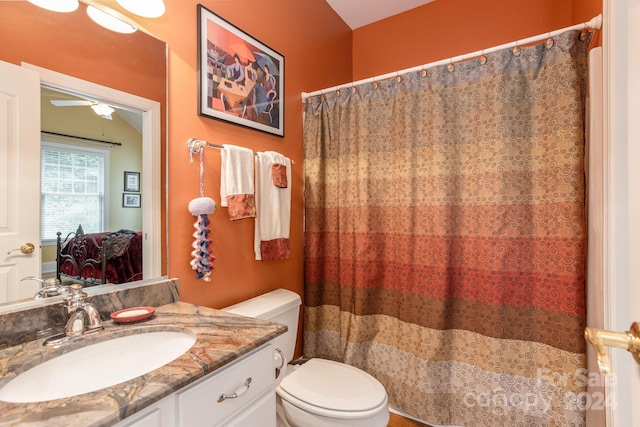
(281, 306)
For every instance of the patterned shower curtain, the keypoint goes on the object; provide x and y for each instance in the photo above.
(445, 235)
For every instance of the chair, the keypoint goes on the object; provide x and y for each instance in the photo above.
(259, 102)
(80, 258)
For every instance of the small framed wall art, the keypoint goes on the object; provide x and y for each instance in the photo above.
(130, 200)
(132, 181)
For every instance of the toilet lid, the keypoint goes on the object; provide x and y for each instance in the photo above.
(335, 386)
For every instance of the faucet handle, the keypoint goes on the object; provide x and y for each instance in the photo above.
(49, 288)
(32, 278)
(76, 297)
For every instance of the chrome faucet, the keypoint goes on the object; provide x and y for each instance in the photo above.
(50, 287)
(82, 317)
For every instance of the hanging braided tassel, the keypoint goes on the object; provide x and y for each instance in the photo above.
(201, 207)
(203, 257)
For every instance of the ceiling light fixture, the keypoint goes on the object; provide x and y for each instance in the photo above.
(57, 5)
(109, 20)
(102, 109)
(144, 8)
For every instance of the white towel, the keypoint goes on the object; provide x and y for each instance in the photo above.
(237, 190)
(273, 220)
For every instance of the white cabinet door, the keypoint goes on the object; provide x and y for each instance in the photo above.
(160, 414)
(261, 413)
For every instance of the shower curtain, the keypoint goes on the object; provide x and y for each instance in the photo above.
(445, 236)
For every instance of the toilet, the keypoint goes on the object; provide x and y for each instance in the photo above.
(318, 392)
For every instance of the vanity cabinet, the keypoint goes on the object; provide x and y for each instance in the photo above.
(240, 394)
(160, 414)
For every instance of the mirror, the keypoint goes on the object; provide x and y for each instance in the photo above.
(86, 61)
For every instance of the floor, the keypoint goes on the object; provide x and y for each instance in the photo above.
(399, 421)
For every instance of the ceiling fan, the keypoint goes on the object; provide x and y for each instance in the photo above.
(100, 108)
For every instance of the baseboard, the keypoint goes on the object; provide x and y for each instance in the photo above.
(405, 415)
(48, 267)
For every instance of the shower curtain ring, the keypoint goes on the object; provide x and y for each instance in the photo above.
(584, 33)
(516, 50)
(548, 43)
(482, 59)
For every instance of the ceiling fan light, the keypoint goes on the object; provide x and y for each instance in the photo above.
(102, 109)
(144, 8)
(57, 5)
(109, 21)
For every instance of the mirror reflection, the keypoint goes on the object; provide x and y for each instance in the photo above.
(73, 195)
(91, 158)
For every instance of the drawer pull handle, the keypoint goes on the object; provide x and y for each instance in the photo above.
(239, 392)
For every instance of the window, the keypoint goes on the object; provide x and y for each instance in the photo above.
(73, 189)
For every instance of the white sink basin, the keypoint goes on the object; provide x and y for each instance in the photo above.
(97, 366)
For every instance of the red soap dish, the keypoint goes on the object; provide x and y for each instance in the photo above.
(132, 314)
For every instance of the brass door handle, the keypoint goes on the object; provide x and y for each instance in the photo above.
(26, 249)
(600, 339)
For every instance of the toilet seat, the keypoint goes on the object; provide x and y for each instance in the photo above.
(333, 389)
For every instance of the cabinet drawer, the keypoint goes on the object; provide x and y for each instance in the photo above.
(199, 404)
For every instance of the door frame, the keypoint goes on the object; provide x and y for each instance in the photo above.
(150, 180)
(621, 59)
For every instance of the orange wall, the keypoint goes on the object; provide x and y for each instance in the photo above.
(72, 44)
(583, 10)
(447, 28)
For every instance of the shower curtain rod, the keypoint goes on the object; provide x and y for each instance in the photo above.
(594, 24)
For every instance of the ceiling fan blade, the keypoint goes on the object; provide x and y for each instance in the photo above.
(69, 102)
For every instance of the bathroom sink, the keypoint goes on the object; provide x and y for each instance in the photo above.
(97, 366)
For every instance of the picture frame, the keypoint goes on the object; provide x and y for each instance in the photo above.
(132, 181)
(130, 200)
(240, 79)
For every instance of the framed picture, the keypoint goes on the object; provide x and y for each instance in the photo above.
(130, 200)
(240, 80)
(132, 181)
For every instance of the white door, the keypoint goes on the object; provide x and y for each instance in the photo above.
(621, 299)
(19, 181)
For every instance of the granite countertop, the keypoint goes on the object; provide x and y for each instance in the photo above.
(220, 338)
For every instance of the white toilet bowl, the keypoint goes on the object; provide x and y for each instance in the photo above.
(318, 393)
(324, 393)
